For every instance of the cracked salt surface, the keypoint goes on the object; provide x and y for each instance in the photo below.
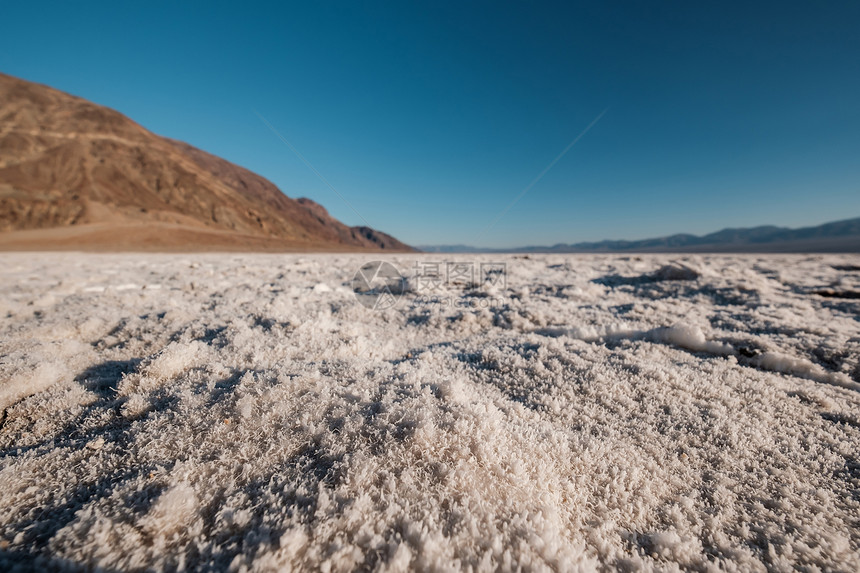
(637, 413)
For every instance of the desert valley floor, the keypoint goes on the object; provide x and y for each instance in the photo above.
(578, 412)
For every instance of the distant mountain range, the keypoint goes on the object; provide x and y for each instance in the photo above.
(76, 175)
(839, 236)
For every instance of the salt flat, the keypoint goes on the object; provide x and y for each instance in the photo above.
(245, 412)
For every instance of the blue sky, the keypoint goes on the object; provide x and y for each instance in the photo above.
(431, 117)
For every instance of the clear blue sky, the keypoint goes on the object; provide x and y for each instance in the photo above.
(430, 117)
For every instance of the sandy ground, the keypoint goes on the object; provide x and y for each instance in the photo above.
(137, 236)
(245, 412)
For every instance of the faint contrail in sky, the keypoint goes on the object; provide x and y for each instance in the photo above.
(544, 172)
(311, 167)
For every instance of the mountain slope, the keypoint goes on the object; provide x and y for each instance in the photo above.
(837, 236)
(94, 178)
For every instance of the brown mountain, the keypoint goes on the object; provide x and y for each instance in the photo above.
(76, 175)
